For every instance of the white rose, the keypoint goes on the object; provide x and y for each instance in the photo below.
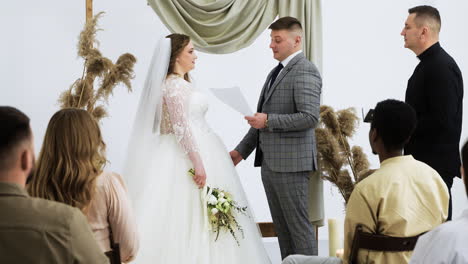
(221, 200)
(212, 200)
(214, 211)
(221, 195)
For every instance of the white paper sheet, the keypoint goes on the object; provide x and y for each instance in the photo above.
(234, 98)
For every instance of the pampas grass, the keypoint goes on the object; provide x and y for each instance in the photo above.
(339, 163)
(96, 69)
(360, 162)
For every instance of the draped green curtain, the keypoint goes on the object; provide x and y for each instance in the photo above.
(217, 26)
(226, 26)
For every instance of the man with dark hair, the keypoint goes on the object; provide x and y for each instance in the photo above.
(435, 91)
(403, 198)
(288, 23)
(15, 133)
(34, 230)
(448, 243)
(283, 134)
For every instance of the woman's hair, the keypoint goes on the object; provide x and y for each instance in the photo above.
(178, 44)
(71, 158)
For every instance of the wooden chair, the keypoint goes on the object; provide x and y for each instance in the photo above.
(376, 242)
(114, 254)
(268, 230)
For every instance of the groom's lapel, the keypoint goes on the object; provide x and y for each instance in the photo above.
(283, 73)
(262, 94)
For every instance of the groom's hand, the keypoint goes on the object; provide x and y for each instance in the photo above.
(257, 121)
(235, 156)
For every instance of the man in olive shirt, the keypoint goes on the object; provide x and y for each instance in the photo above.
(35, 230)
(435, 91)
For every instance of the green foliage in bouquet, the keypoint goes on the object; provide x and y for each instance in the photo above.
(341, 164)
(221, 211)
(81, 93)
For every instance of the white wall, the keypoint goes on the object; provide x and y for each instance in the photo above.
(364, 62)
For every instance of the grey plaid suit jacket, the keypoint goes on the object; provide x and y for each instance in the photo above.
(292, 104)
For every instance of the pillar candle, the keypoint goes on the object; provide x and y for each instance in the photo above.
(333, 237)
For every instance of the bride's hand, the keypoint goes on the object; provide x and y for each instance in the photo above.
(200, 177)
(235, 156)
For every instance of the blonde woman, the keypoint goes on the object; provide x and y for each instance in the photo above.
(70, 170)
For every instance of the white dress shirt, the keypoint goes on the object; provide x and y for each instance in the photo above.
(448, 243)
(287, 60)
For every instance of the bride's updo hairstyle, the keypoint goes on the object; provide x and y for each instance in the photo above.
(178, 44)
(71, 158)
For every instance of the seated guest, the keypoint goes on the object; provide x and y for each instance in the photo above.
(34, 230)
(403, 198)
(70, 170)
(448, 243)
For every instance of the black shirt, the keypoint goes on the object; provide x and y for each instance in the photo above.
(435, 91)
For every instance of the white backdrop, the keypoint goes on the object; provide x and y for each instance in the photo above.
(364, 62)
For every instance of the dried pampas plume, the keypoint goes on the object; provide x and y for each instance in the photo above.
(336, 158)
(360, 162)
(82, 93)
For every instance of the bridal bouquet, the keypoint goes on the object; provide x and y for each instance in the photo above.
(221, 209)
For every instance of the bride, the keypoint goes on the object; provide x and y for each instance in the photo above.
(170, 136)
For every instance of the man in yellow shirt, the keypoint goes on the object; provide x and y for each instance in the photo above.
(403, 198)
(34, 230)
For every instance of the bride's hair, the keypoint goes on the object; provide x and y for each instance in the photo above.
(71, 159)
(178, 43)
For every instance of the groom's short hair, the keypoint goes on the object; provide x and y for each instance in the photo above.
(287, 23)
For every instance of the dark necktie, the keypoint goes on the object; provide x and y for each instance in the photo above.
(275, 74)
(272, 80)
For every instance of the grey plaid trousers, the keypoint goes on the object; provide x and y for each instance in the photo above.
(287, 194)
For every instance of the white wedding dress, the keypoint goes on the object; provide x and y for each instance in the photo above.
(170, 213)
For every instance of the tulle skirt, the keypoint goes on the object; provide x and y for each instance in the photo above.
(171, 217)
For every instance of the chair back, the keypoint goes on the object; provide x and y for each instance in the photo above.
(376, 242)
(114, 253)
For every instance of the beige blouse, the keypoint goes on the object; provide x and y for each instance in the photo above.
(111, 206)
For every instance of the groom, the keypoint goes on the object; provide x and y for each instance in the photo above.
(283, 132)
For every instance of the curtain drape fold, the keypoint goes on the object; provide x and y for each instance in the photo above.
(220, 27)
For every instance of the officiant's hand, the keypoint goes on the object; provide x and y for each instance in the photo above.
(235, 156)
(257, 121)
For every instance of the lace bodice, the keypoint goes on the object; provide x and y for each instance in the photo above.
(183, 112)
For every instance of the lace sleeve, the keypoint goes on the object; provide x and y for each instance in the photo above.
(176, 96)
